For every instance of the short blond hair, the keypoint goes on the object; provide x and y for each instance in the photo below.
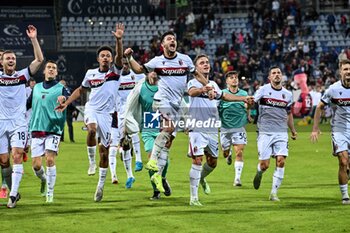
(343, 62)
(198, 57)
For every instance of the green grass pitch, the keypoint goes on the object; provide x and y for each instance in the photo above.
(310, 196)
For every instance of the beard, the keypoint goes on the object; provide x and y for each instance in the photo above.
(346, 81)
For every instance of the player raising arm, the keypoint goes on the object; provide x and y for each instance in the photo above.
(104, 83)
(13, 127)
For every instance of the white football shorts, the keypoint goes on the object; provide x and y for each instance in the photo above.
(13, 134)
(232, 137)
(272, 145)
(40, 145)
(204, 142)
(340, 142)
(103, 121)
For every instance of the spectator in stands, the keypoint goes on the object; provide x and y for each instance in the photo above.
(343, 23)
(219, 27)
(71, 113)
(153, 5)
(291, 22)
(224, 65)
(211, 20)
(180, 27)
(315, 93)
(276, 6)
(259, 9)
(219, 79)
(220, 51)
(233, 37)
(190, 18)
(292, 48)
(253, 66)
(331, 22)
(200, 24)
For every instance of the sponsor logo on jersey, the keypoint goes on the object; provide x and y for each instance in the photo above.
(127, 86)
(341, 101)
(99, 82)
(13, 81)
(172, 71)
(96, 82)
(273, 102)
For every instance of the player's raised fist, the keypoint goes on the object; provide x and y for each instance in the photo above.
(128, 52)
(31, 32)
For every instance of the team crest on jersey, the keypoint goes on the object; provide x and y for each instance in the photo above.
(283, 96)
(270, 93)
(163, 62)
(43, 96)
(181, 62)
(132, 77)
(340, 93)
(195, 149)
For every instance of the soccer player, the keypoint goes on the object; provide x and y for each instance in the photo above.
(172, 69)
(13, 127)
(338, 94)
(141, 98)
(128, 80)
(204, 140)
(46, 127)
(275, 117)
(234, 116)
(103, 81)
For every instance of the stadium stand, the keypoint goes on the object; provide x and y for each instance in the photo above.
(247, 36)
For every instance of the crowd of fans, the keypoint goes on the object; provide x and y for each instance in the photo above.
(276, 35)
